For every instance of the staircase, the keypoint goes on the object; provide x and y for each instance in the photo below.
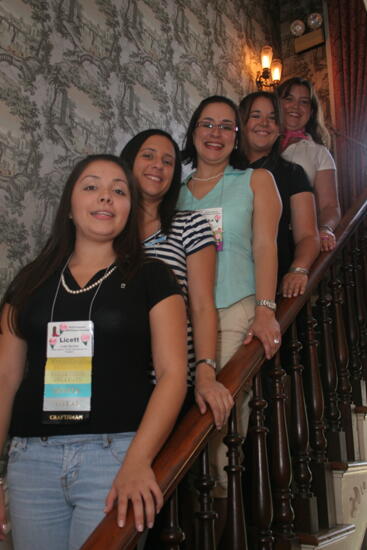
(307, 483)
(349, 481)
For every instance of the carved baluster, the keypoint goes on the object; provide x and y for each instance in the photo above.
(355, 366)
(260, 513)
(321, 475)
(304, 502)
(280, 462)
(336, 448)
(234, 535)
(363, 241)
(172, 535)
(206, 515)
(342, 360)
(361, 299)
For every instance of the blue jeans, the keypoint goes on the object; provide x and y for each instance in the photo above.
(58, 486)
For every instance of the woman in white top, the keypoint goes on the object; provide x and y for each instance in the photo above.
(304, 142)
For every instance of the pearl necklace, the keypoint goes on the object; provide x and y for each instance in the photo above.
(86, 288)
(207, 179)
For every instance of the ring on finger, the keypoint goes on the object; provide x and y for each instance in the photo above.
(276, 340)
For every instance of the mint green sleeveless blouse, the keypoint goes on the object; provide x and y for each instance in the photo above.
(235, 265)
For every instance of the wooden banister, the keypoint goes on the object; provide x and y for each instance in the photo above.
(192, 432)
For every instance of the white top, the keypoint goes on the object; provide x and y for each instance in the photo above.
(311, 156)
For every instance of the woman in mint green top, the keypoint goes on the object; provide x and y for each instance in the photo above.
(244, 212)
(243, 208)
(235, 264)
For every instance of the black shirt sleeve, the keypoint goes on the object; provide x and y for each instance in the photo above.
(160, 282)
(298, 180)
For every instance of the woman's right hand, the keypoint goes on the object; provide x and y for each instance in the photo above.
(266, 328)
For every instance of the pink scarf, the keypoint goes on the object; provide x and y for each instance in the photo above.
(289, 137)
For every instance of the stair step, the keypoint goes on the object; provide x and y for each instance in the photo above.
(326, 537)
(350, 466)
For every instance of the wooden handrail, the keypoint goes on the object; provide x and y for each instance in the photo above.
(192, 432)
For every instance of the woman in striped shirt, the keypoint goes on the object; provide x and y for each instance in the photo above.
(185, 242)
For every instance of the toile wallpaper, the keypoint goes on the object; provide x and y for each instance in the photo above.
(82, 76)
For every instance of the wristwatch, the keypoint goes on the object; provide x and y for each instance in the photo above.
(210, 362)
(267, 303)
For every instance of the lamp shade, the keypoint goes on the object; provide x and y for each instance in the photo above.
(276, 70)
(266, 56)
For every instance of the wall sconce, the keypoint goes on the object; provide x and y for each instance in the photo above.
(271, 73)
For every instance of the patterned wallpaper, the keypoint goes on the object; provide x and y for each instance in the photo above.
(82, 76)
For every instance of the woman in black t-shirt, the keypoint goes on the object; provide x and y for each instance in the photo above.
(298, 238)
(85, 421)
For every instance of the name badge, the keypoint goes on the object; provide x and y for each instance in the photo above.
(214, 216)
(155, 242)
(68, 372)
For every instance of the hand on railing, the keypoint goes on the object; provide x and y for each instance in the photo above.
(266, 328)
(137, 483)
(327, 240)
(208, 391)
(293, 284)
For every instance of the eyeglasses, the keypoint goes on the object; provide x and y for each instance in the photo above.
(222, 126)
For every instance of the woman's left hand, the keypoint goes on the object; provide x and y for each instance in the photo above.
(293, 284)
(327, 239)
(136, 483)
(266, 328)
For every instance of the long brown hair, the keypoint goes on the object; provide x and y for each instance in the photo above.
(245, 107)
(167, 206)
(61, 242)
(189, 155)
(315, 126)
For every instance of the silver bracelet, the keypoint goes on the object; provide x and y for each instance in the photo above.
(270, 304)
(2, 481)
(327, 227)
(302, 270)
(210, 362)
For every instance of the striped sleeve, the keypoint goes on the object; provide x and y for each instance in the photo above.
(197, 233)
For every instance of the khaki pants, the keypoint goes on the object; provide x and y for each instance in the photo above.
(233, 323)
